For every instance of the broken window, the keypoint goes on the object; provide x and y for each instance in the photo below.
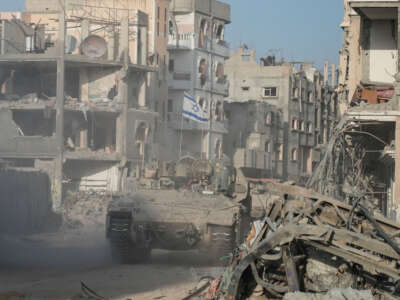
(280, 152)
(267, 147)
(202, 103)
(302, 126)
(171, 66)
(203, 66)
(310, 97)
(245, 57)
(296, 93)
(96, 130)
(203, 71)
(202, 33)
(170, 106)
(268, 118)
(35, 122)
(295, 124)
(270, 92)
(218, 149)
(294, 154)
(220, 32)
(142, 136)
(245, 88)
(218, 112)
(220, 73)
(309, 127)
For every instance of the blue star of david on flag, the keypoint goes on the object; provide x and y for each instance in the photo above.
(192, 109)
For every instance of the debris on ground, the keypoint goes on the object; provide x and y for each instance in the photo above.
(311, 246)
(85, 209)
(335, 294)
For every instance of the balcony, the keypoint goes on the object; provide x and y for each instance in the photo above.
(219, 9)
(182, 41)
(376, 9)
(220, 47)
(179, 81)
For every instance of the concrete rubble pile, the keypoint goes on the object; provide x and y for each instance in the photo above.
(85, 210)
(311, 246)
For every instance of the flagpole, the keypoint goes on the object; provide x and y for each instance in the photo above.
(181, 137)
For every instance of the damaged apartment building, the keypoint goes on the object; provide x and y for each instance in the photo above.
(363, 159)
(73, 98)
(280, 115)
(197, 53)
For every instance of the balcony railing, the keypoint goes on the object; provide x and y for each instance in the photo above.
(188, 41)
(185, 41)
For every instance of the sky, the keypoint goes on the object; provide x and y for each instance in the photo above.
(305, 30)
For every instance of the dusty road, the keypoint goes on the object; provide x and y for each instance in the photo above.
(52, 266)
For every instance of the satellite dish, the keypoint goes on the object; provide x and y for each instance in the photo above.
(94, 46)
(70, 44)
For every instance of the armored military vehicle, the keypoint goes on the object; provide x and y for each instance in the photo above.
(202, 205)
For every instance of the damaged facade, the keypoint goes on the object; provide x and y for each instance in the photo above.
(279, 114)
(365, 144)
(197, 50)
(80, 115)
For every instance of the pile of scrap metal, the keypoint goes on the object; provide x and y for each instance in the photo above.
(372, 94)
(311, 243)
(349, 169)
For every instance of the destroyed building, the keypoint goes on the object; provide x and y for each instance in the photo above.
(362, 160)
(197, 52)
(280, 114)
(369, 56)
(73, 95)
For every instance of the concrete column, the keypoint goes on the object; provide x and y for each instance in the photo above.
(398, 39)
(58, 174)
(326, 73)
(124, 39)
(85, 31)
(135, 44)
(142, 91)
(119, 134)
(83, 73)
(83, 138)
(397, 165)
(111, 44)
(144, 45)
(333, 76)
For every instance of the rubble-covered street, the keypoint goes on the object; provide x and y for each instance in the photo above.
(199, 150)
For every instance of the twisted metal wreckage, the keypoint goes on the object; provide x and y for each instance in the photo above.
(310, 242)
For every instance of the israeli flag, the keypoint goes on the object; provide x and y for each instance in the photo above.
(192, 109)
